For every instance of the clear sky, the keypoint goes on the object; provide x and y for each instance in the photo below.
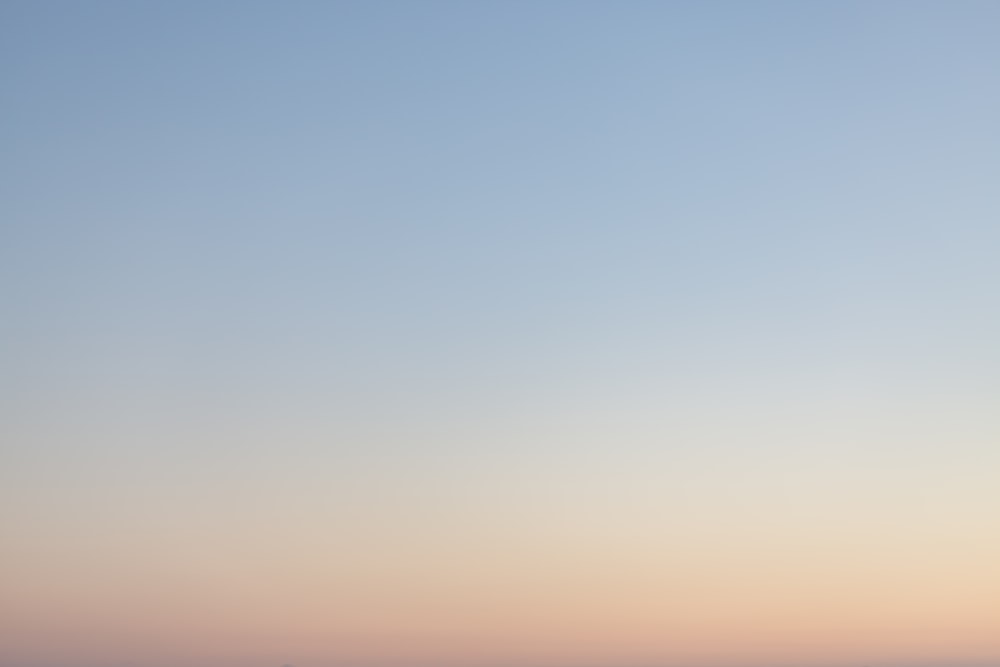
(499, 334)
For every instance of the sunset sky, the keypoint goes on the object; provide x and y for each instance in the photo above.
(499, 334)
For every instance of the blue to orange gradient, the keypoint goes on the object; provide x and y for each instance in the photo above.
(500, 334)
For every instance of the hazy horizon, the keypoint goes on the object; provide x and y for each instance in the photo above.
(500, 334)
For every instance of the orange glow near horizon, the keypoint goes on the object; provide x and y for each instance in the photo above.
(547, 607)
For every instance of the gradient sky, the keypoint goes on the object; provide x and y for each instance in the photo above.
(499, 334)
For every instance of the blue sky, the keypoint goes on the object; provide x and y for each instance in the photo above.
(508, 180)
(427, 243)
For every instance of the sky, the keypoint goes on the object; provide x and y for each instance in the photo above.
(499, 334)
